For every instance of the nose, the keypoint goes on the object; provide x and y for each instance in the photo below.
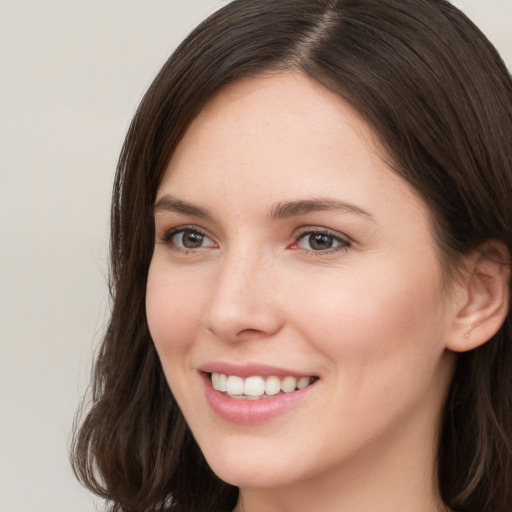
(244, 300)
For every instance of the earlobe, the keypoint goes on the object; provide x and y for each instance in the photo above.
(485, 297)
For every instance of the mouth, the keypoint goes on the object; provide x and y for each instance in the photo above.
(251, 394)
(258, 387)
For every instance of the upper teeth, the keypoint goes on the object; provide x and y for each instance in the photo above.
(257, 386)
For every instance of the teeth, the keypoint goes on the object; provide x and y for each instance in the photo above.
(288, 384)
(235, 385)
(272, 386)
(223, 383)
(302, 382)
(256, 386)
(215, 380)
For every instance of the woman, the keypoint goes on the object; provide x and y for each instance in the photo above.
(311, 235)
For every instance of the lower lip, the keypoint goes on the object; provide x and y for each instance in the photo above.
(252, 411)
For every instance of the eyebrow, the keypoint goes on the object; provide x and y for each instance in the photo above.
(280, 210)
(169, 203)
(287, 209)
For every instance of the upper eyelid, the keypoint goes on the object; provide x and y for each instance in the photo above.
(323, 230)
(168, 233)
(344, 242)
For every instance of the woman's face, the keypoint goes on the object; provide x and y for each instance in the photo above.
(288, 254)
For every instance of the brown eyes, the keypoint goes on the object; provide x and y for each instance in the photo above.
(188, 239)
(192, 239)
(314, 240)
(319, 241)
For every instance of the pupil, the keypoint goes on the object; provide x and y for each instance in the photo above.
(320, 242)
(192, 240)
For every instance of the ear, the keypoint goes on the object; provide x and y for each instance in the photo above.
(484, 297)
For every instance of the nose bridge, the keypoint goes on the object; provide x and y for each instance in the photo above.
(242, 301)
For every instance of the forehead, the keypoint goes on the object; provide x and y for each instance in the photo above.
(279, 136)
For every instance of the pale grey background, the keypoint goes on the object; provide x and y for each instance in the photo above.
(72, 74)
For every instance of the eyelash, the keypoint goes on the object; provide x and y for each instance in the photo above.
(167, 238)
(343, 243)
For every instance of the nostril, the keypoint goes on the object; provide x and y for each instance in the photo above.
(249, 331)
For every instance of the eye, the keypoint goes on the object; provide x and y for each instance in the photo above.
(186, 238)
(320, 241)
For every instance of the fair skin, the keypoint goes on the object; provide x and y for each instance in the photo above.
(283, 240)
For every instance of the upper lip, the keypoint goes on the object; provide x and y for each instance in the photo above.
(250, 370)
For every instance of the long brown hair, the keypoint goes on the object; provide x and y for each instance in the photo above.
(440, 99)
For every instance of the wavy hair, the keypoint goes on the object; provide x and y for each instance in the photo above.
(439, 98)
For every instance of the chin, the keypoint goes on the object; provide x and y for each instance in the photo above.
(256, 463)
(250, 475)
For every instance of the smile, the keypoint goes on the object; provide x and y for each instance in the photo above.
(256, 387)
(240, 395)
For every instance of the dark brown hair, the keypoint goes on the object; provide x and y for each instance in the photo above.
(440, 99)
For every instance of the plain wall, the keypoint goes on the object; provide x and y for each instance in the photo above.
(72, 74)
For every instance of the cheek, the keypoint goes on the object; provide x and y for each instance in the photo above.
(382, 338)
(173, 307)
(374, 320)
